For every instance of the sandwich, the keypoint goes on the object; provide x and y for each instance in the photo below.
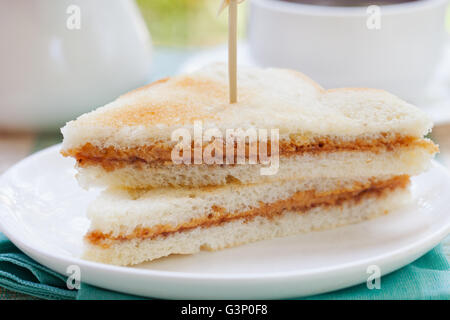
(184, 170)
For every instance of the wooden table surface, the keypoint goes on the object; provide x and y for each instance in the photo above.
(14, 147)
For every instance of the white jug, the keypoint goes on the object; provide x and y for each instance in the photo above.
(59, 59)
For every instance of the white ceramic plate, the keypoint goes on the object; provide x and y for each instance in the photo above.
(42, 210)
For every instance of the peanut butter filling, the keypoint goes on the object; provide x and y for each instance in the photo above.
(111, 158)
(299, 202)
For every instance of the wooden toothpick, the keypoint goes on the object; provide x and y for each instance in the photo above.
(232, 50)
(232, 46)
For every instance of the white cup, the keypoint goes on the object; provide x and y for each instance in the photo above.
(62, 58)
(397, 50)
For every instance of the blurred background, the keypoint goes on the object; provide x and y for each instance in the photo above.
(188, 23)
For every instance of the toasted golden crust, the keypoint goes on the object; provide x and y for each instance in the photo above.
(146, 112)
(203, 93)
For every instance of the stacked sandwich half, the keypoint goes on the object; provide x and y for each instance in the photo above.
(329, 158)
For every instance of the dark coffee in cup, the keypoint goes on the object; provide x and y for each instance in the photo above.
(349, 3)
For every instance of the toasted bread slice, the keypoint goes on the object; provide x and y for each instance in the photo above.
(134, 133)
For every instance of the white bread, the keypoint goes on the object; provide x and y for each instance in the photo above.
(268, 99)
(120, 211)
(238, 232)
(410, 161)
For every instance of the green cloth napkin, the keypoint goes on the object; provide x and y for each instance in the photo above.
(426, 278)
